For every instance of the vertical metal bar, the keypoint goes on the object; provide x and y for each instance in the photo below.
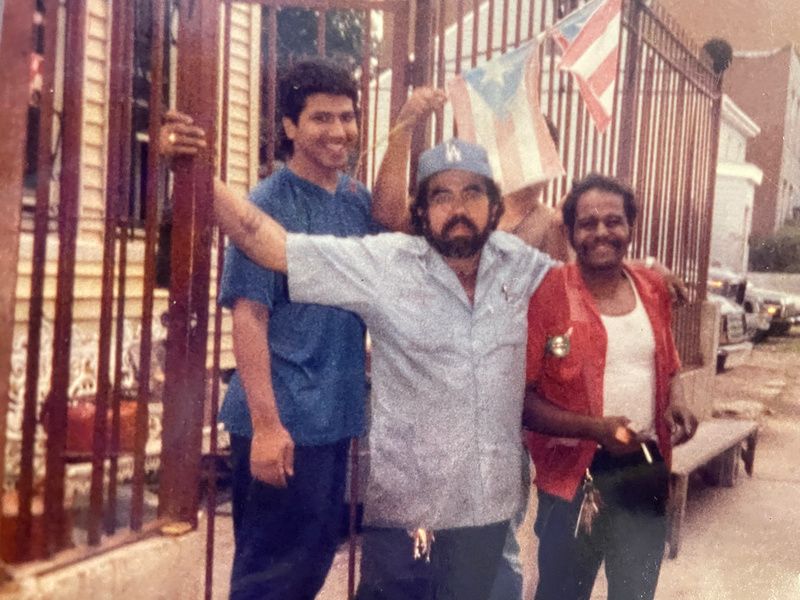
(15, 52)
(423, 72)
(211, 500)
(374, 147)
(504, 29)
(716, 114)
(643, 148)
(322, 24)
(576, 162)
(270, 76)
(67, 231)
(459, 35)
(476, 15)
(113, 176)
(184, 391)
(440, 71)
(518, 24)
(627, 113)
(489, 29)
(351, 553)
(366, 56)
(114, 192)
(675, 180)
(44, 168)
(399, 65)
(153, 189)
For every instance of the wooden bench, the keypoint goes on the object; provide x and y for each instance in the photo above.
(718, 443)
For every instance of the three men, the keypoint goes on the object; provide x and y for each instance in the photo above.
(606, 402)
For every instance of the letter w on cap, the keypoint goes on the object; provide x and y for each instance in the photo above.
(452, 153)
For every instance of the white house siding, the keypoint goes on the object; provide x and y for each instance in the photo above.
(734, 190)
(243, 121)
(242, 173)
(95, 118)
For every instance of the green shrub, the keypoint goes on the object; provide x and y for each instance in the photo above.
(779, 252)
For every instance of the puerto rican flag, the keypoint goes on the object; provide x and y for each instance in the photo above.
(496, 105)
(589, 40)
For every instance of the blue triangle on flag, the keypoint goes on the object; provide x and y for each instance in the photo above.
(497, 81)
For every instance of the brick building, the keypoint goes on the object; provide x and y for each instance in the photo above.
(764, 81)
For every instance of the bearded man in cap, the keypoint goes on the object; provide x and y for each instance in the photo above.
(446, 309)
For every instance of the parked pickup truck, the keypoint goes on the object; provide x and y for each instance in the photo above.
(732, 286)
(782, 308)
(735, 340)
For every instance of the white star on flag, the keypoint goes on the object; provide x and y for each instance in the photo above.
(496, 105)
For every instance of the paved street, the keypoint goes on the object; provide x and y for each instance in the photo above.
(739, 543)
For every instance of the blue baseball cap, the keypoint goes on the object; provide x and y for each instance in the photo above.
(453, 154)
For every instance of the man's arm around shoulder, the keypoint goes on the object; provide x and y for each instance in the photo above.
(255, 233)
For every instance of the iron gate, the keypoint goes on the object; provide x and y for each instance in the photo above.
(663, 139)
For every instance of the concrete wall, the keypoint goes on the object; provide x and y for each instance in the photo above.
(162, 568)
(697, 382)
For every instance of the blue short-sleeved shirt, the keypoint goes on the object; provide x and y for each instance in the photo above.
(317, 352)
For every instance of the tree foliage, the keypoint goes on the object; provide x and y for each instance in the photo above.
(297, 35)
(779, 252)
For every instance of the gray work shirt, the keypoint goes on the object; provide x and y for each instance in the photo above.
(448, 377)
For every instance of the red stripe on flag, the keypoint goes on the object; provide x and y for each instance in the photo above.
(599, 115)
(462, 109)
(592, 30)
(605, 74)
(548, 154)
(510, 162)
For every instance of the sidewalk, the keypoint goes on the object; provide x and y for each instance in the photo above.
(739, 543)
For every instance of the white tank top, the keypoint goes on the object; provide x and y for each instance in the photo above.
(629, 378)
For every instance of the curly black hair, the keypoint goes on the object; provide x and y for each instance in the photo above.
(303, 79)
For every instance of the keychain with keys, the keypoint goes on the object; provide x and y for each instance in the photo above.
(590, 506)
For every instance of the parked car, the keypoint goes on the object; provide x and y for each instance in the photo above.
(733, 287)
(735, 340)
(783, 308)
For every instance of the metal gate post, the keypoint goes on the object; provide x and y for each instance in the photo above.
(184, 390)
(422, 72)
(16, 45)
(627, 107)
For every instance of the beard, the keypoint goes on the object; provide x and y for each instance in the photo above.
(460, 246)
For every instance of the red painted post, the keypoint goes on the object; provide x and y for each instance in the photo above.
(153, 192)
(16, 46)
(184, 390)
(55, 517)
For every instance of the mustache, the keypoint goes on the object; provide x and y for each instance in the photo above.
(457, 220)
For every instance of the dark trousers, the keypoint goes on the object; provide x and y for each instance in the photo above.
(286, 538)
(463, 564)
(628, 533)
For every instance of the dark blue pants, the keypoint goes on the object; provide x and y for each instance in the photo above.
(463, 564)
(629, 533)
(286, 537)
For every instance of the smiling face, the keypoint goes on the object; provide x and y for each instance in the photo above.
(323, 137)
(459, 216)
(602, 232)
